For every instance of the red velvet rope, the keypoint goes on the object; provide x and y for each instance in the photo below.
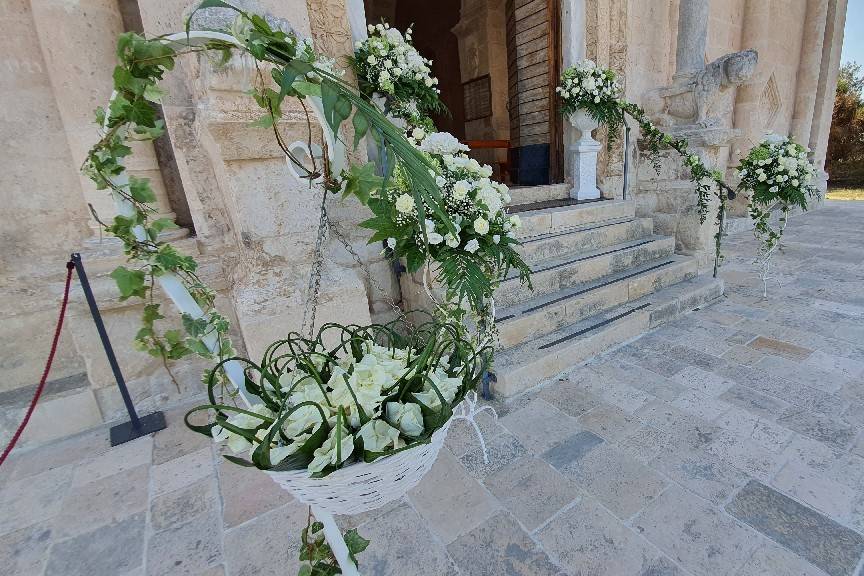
(70, 266)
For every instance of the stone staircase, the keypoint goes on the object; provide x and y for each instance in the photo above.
(601, 277)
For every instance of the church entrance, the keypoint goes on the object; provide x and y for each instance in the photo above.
(497, 62)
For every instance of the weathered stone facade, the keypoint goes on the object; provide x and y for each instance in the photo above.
(253, 228)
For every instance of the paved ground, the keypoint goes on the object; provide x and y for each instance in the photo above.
(727, 443)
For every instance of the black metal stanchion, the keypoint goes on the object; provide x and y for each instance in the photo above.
(136, 427)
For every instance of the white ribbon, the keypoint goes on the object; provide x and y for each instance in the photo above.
(468, 411)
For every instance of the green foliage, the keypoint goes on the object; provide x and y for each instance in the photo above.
(845, 155)
(777, 173)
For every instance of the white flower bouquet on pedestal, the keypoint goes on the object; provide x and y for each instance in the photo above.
(777, 173)
(388, 66)
(590, 91)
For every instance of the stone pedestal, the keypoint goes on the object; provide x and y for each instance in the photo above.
(583, 166)
(583, 158)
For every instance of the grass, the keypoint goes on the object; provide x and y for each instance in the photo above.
(842, 193)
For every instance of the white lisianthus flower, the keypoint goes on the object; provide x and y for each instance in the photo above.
(485, 171)
(795, 182)
(391, 243)
(429, 82)
(472, 245)
(379, 436)
(451, 240)
(418, 133)
(496, 238)
(481, 225)
(371, 59)
(762, 177)
(405, 204)
(515, 221)
(326, 454)
(407, 417)
(461, 189)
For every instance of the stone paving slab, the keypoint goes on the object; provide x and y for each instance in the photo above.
(717, 445)
(830, 546)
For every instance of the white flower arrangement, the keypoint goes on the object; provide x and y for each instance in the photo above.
(778, 173)
(387, 63)
(472, 243)
(322, 409)
(594, 89)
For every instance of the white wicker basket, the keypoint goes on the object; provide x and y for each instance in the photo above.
(364, 486)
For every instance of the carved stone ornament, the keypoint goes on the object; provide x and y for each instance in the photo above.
(703, 99)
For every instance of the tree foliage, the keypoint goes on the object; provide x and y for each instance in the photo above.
(845, 158)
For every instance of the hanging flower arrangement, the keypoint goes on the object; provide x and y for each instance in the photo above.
(778, 174)
(473, 249)
(388, 64)
(320, 408)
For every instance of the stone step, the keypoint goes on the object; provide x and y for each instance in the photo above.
(531, 194)
(584, 238)
(548, 220)
(542, 314)
(554, 274)
(102, 255)
(522, 367)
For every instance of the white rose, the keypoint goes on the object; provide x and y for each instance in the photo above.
(326, 454)
(472, 246)
(481, 225)
(461, 189)
(407, 417)
(396, 71)
(451, 240)
(379, 436)
(418, 133)
(762, 177)
(405, 203)
(795, 182)
(515, 221)
(371, 59)
(429, 82)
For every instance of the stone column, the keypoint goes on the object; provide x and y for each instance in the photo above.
(757, 19)
(79, 43)
(830, 69)
(692, 36)
(807, 83)
(573, 50)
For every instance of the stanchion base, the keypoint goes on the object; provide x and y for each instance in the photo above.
(126, 432)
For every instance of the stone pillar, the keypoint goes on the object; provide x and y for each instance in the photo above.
(79, 45)
(692, 36)
(756, 19)
(573, 50)
(807, 83)
(832, 46)
(42, 219)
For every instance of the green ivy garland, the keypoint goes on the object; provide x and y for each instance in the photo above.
(131, 116)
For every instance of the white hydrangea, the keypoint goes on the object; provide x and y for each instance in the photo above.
(442, 143)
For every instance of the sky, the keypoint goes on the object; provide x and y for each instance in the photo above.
(853, 39)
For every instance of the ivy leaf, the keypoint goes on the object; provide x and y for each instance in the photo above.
(139, 189)
(141, 112)
(361, 181)
(355, 542)
(161, 224)
(129, 282)
(153, 93)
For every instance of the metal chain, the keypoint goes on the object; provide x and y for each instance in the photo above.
(314, 285)
(313, 288)
(363, 266)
